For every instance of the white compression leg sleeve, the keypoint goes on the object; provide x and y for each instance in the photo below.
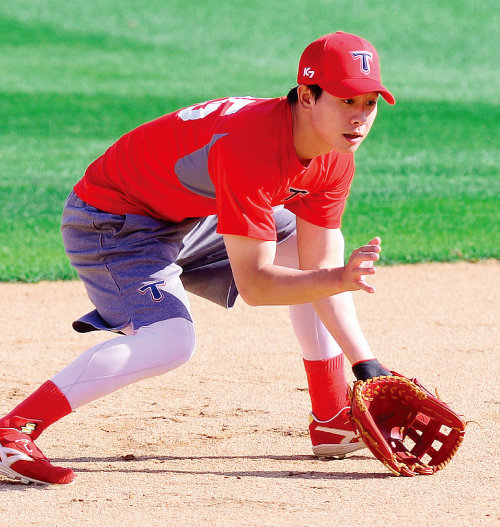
(102, 369)
(315, 340)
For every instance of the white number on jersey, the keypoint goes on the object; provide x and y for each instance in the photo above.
(198, 111)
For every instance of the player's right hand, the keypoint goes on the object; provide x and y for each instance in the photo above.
(360, 265)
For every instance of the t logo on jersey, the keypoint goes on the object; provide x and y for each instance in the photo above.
(296, 192)
(365, 57)
(154, 289)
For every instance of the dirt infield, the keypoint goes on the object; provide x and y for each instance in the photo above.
(223, 440)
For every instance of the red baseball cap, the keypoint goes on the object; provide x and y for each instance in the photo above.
(344, 65)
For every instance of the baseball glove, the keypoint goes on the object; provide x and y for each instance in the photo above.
(404, 425)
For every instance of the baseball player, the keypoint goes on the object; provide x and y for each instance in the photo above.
(232, 196)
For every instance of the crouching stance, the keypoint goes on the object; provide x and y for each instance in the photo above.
(232, 196)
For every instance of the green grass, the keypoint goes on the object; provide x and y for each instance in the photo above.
(77, 75)
(435, 197)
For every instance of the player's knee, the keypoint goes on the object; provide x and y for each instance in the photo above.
(174, 341)
(185, 340)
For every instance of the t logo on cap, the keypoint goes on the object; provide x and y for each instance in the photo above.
(365, 56)
(344, 65)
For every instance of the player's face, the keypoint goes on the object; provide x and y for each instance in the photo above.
(343, 124)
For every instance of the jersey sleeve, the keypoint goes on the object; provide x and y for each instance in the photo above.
(326, 207)
(244, 188)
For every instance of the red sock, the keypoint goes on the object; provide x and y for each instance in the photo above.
(42, 408)
(327, 386)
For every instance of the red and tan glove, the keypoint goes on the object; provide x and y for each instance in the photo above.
(407, 428)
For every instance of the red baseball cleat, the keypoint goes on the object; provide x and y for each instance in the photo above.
(335, 437)
(21, 459)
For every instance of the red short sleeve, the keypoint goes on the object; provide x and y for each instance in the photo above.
(244, 189)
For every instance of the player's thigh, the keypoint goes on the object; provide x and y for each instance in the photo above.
(203, 242)
(127, 264)
(205, 263)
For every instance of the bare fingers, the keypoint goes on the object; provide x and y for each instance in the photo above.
(361, 264)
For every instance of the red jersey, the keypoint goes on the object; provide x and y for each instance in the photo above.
(231, 157)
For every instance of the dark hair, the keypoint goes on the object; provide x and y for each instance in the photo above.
(293, 95)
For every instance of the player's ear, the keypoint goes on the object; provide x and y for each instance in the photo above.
(305, 97)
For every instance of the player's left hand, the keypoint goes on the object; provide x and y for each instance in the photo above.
(407, 428)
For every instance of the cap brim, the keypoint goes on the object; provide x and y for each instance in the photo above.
(352, 87)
